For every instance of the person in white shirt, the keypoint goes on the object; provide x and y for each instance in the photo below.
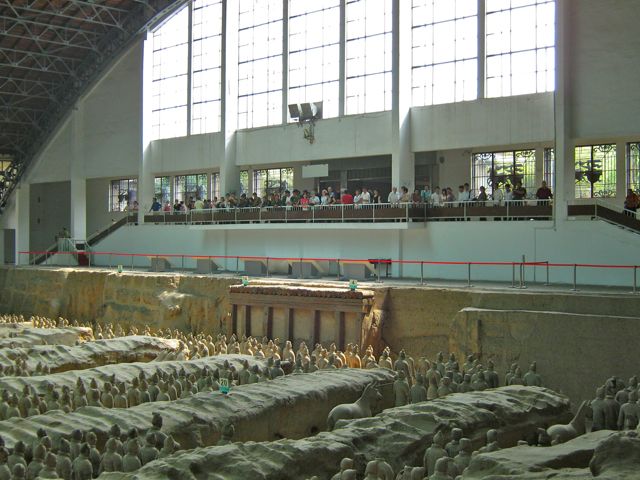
(325, 199)
(199, 204)
(435, 199)
(313, 199)
(365, 196)
(463, 195)
(357, 198)
(394, 196)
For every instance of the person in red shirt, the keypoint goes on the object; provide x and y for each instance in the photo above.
(346, 198)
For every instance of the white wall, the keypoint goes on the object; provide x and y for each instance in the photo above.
(572, 242)
(187, 154)
(604, 68)
(352, 136)
(483, 123)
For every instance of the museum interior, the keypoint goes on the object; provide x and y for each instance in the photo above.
(319, 240)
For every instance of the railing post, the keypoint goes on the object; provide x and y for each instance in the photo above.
(237, 265)
(313, 214)
(469, 275)
(338, 262)
(635, 267)
(513, 274)
(547, 284)
(373, 213)
(406, 212)
(575, 275)
(421, 273)
(132, 262)
(378, 270)
(342, 210)
(110, 259)
(286, 213)
(267, 267)
(522, 273)
(507, 202)
(182, 256)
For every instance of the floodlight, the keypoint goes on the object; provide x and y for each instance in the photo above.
(294, 111)
(307, 113)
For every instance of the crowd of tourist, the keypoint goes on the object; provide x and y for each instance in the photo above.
(434, 197)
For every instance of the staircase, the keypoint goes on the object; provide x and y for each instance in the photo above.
(83, 254)
(607, 212)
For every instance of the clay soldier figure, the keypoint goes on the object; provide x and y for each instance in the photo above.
(156, 426)
(111, 460)
(169, 447)
(510, 374)
(153, 388)
(312, 365)
(298, 366)
(133, 394)
(131, 462)
(5, 471)
(49, 469)
(144, 392)
(94, 398)
(345, 464)
(491, 377)
(517, 379)
(622, 396)
(629, 412)
(451, 363)
(532, 379)
(492, 442)
(82, 468)
(469, 365)
(480, 384)
(94, 454)
(120, 397)
(17, 456)
(453, 447)
(433, 372)
(432, 391)
(440, 469)
(107, 398)
(114, 436)
(254, 376)
(402, 365)
(18, 472)
(440, 364)
(63, 464)
(610, 406)
(597, 407)
(445, 387)
(243, 375)
(76, 443)
(37, 464)
(163, 396)
(401, 389)
(463, 458)
(418, 391)
(149, 452)
(277, 370)
(434, 452)
(385, 361)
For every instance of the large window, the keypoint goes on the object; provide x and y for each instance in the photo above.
(215, 186)
(494, 170)
(162, 189)
(272, 180)
(260, 63)
(170, 77)
(549, 167)
(595, 171)
(633, 166)
(368, 56)
(520, 36)
(314, 53)
(206, 61)
(244, 182)
(445, 51)
(194, 185)
(123, 194)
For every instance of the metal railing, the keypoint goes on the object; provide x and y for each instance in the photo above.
(335, 267)
(341, 213)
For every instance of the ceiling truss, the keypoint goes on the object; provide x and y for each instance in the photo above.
(51, 52)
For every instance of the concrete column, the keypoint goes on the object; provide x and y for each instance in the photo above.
(482, 10)
(229, 171)
(22, 227)
(402, 158)
(621, 171)
(145, 172)
(285, 62)
(564, 164)
(342, 81)
(78, 227)
(540, 167)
